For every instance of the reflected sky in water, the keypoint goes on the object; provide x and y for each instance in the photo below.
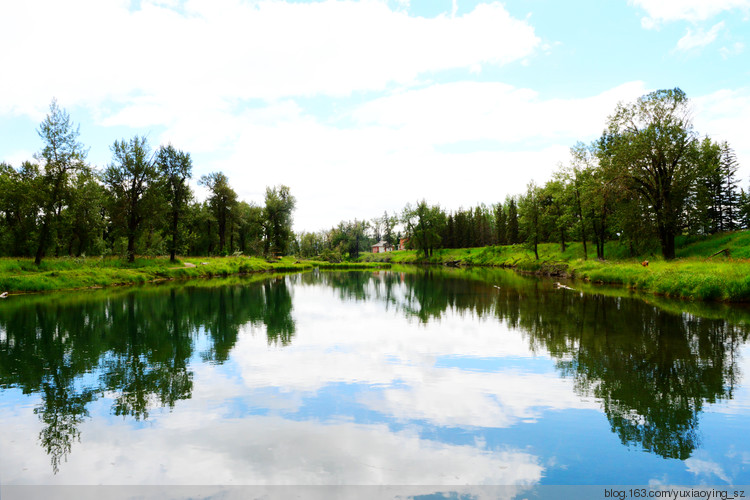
(423, 377)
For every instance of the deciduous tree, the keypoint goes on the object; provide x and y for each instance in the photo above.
(175, 168)
(277, 216)
(61, 157)
(129, 178)
(652, 140)
(222, 201)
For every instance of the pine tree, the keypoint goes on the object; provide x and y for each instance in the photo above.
(513, 237)
(729, 195)
(501, 225)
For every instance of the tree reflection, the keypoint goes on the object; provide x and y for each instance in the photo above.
(134, 347)
(653, 370)
(277, 316)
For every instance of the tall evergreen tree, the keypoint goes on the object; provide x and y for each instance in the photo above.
(501, 225)
(513, 233)
(730, 196)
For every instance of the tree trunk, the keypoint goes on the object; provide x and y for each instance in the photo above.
(562, 238)
(173, 246)
(583, 225)
(132, 225)
(222, 235)
(131, 247)
(666, 237)
(43, 235)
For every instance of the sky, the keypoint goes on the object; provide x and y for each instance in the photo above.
(363, 106)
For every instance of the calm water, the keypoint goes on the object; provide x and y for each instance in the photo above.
(423, 377)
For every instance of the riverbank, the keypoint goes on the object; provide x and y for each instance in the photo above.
(698, 273)
(22, 276)
(707, 269)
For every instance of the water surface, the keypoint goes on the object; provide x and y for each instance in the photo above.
(422, 377)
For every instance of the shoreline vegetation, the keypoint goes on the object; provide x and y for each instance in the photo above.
(655, 205)
(706, 269)
(18, 275)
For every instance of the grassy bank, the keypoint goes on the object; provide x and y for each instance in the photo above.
(696, 274)
(21, 275)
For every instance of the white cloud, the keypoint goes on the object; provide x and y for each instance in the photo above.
(16, 158)
(87, 52)
(724, 115)
(736, 49)
(472, 111)
(698, 38)
(208, 440)
(401, 364)
(684, 10)
(426, 139)
(707, 469)
(258, 450)
(220, 79)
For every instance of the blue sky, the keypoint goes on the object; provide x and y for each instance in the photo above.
(363, 106)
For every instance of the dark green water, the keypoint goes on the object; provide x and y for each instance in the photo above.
(422, 377)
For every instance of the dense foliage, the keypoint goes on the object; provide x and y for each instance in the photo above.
(140, 204)
(648, 179)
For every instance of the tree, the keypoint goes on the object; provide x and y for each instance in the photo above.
(376, 224)
(743, 207)
(512, 234)
(351, 237)
(424, 225)
(278, 220)
(85, 215)
(530, 213)
(175, 168)
(61, 157)
(651, 146)
(557, 203)
(311, 244)
(730, 196)
(222, 202)
(501, 225)
(129, 179)
(19, 206)
(576, 175)
(249, 228)
(388, 224)
(705, 200)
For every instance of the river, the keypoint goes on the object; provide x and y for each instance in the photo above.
(414, 377)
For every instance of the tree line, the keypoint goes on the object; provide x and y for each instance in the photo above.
(648, 179)
(141, 203)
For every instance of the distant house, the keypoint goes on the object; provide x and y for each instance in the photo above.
(402, 243)
(382, 246)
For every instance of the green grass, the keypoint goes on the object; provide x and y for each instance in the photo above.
(350, 265)
(21, 275)
(695, 274)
